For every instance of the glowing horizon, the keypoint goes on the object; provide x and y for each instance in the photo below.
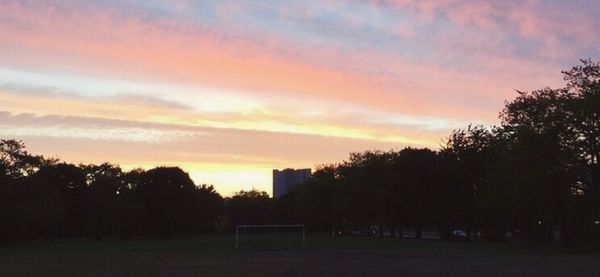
(230, 90)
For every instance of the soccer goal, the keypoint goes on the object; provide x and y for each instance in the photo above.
(270, 237)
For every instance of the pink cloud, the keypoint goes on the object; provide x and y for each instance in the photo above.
(366, 90)
(96, 40)
(531, 18)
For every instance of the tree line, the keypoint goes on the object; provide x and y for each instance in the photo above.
(45, 198)
(538, 171)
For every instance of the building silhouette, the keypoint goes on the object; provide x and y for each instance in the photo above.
(284, 181)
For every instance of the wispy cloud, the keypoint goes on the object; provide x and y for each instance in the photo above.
(271, 81)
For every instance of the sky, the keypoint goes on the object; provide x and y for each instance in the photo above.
(230, 90)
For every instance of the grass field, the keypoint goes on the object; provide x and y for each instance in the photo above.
(349, 256)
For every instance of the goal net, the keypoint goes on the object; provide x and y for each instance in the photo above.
(270, 237)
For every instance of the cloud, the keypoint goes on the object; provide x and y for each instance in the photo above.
(385, 72)
(258, 82)
(57, 93)
(275, 115)
(208, 153)
(531, 18)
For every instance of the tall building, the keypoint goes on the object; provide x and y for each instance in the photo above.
(284, 181)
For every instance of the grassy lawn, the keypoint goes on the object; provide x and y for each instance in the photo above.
(354, 256)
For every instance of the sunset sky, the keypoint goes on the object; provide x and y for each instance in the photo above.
(229, 90)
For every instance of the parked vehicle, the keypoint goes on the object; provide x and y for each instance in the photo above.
(459, 235)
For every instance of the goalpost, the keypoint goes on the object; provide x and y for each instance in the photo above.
(270, 236)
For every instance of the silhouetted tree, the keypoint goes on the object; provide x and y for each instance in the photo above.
(208, 208)
(60, 193)
(584, 105)
(16, 162)
(105, 184)
(461, 196)
(418, 171)
(315, 199)
(361, 184)
(249, 207)
(167, 197)
(567, 119)
(20, 216)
